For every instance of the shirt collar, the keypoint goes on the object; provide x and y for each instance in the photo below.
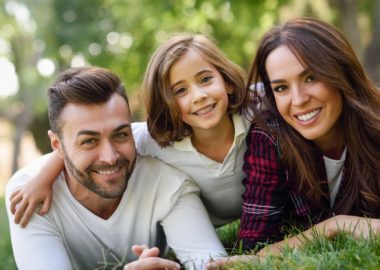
(241, 128)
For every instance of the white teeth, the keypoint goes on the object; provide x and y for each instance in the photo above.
(308, 116)
(204, 110)
(106, 172)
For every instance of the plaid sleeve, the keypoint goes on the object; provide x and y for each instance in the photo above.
(265, 194)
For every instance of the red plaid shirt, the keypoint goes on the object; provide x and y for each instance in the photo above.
(272, 200)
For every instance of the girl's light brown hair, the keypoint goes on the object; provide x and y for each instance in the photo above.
(326, 54)
(164, 117)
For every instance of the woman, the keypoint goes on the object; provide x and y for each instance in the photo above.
(313, 147)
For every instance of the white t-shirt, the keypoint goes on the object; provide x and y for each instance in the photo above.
(334, 172)
(220, 183)
(72, 237)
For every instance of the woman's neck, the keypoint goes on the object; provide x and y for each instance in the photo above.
(215, 143)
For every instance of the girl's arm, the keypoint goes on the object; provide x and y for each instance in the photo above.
(37, 191)
(357, 226)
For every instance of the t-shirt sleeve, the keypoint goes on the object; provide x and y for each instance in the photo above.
(39, 245)
(189, 231)
(145, 144)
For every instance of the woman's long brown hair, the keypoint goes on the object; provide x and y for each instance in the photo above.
(325, 52)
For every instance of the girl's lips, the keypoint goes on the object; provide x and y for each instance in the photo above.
(205, 110)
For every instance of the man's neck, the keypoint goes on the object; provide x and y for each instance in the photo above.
(102, 207)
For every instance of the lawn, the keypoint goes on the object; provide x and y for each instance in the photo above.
(6, 256)
(343, 252)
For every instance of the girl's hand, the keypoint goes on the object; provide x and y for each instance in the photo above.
(28, 198)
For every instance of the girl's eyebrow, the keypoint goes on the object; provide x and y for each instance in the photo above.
(301, 75)
(205, 70)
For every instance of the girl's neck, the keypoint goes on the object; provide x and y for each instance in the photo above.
(215, 143)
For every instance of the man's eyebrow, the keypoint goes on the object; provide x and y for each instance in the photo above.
(122, 126)
(88, 132)
(95, 133)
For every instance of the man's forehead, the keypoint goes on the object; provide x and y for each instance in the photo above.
(107, 115)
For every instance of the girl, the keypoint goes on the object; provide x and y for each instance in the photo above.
(194, 97)
(313, 147)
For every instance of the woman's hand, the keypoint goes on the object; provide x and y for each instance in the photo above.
(357, 226)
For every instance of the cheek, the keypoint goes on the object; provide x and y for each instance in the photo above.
(280, 103)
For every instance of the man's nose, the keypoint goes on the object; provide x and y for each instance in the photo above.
(108, 153)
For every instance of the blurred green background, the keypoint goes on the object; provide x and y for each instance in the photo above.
(40, 38)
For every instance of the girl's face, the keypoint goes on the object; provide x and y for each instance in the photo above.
(308, 105)
(200, 91)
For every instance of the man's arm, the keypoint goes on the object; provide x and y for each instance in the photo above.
(39, 246)
(189, 231)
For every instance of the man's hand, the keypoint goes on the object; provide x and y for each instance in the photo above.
(149, 260)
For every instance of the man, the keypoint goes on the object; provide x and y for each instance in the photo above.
(108, 198)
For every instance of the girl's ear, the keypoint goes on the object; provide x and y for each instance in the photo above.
(55, 143)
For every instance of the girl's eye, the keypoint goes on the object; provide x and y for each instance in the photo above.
(180, 91)
(279, 88)
(205, 79)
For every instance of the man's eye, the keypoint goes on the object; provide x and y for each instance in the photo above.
(89, 141)
(120, 136)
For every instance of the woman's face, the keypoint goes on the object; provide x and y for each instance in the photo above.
(308, 105)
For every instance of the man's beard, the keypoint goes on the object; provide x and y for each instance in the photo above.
(84, 177)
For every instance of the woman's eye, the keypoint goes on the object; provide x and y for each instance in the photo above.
(279, 88)
(205, 79)
(179, 91)
(310, 78)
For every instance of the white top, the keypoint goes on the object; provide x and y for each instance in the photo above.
(334, 171)
(220, 183)
(72, 237)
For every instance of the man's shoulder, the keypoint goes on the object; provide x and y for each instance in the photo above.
(26, 173)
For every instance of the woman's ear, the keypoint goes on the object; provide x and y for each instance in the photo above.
(55, 143)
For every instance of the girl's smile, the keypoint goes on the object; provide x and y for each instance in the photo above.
(200, 91)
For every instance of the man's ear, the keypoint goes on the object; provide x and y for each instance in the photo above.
(55, 143)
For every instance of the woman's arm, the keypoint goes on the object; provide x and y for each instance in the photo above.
(266, 192)
(37, 191)
(357, 226)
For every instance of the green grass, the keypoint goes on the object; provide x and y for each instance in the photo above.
(343, 252)
(6, 255)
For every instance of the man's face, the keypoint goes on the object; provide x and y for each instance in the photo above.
(97, 145)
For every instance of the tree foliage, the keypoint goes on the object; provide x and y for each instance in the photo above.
(121, 35)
